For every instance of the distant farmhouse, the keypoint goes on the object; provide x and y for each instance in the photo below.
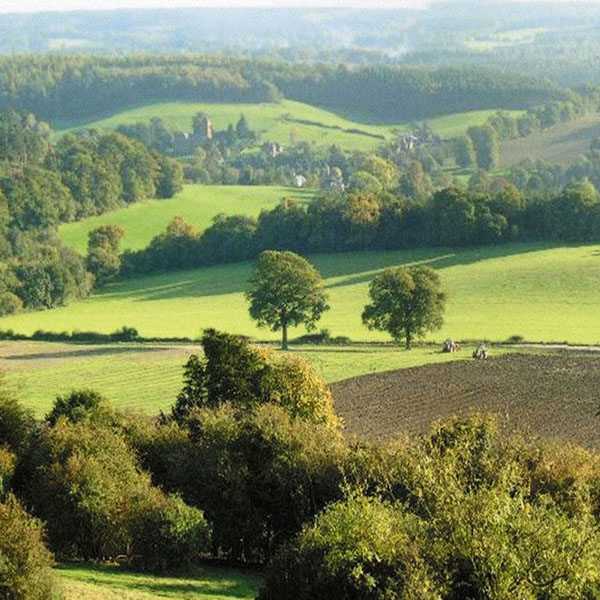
(300, 181)
(273, 149)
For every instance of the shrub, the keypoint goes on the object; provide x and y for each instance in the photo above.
(167, 534)
(293, 383)
(82, 406)
(16, 422)
(482, 518)
(258, 475)
(362, 549)
(8, 462)
(25, 563)
(246, 376)
(87, 484)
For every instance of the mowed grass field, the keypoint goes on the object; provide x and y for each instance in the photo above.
(561, 144)
(540, 293)
(197, 204)
(87, 582)
(281, 122)
(146, 378)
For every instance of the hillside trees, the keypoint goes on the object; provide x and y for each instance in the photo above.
(285, 291)
(103, 260)
(86, 483)
(485, 143)
(70, 86)
(464, 151)
(461, 514)
(405, 302)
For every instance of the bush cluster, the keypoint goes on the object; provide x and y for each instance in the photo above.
(234, 371)
(462, 512)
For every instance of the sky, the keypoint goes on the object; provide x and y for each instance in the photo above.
(55, 5)
(63, 5)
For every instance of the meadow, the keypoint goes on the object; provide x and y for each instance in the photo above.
(287, 122)
(532, 290)
(37, 372)
(88, 582)
(197, 204)
(561, 144)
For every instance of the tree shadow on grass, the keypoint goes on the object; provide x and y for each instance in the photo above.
(202, 581)
(438, 258)
(89, 352)
(354, 267)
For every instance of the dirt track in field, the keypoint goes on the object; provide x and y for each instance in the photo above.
(555, 396)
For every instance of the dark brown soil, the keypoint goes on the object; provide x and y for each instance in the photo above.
(555, 396)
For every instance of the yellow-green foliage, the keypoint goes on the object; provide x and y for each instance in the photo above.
(295, 384)
(25, 562)
(464, 511)
(8, 461)
(247, 376)
(86, 483)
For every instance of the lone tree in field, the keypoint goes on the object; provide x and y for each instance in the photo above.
(405, 302)
(285, 290)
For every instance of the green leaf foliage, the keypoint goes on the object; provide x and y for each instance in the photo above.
(405, 302)
(285, 291)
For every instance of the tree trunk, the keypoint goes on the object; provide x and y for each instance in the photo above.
(408, 339)
(284, 339)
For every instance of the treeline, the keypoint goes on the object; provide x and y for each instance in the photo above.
(251, 464)
(42, 185)
(341, 222)
(480, 145)
(70, 86)
(396, 94)
(532, 176)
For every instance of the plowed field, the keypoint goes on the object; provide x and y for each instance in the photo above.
(555, 396)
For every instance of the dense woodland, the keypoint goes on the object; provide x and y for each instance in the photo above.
(43, 185)
(69, 87)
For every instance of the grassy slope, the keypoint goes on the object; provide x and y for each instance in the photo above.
(275, 122)
(493, 293)
(197, 204)
(561, 144)
(87, 582)
(146, 378)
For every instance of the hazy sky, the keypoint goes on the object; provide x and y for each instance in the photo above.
(53, 5)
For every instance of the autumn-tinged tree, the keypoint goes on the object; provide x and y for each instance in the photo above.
(285, 290)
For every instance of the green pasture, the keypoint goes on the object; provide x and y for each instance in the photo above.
(87, 582)
(272, 121)
(456, 124)
(281, 122)
(537, 292)
(197, 204)
(147, 377)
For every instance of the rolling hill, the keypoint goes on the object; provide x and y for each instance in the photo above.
(534, 291)
(285, 122)
(197, 204)
(561, 144)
